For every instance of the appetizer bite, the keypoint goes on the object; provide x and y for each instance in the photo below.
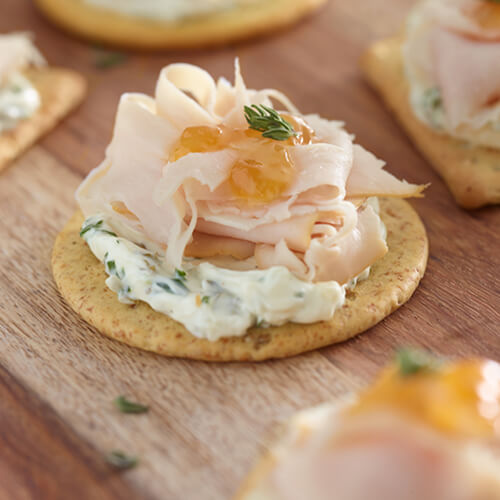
(226, 230)
(424, 430)
(33, 97)
(163, 24)
(442, 78)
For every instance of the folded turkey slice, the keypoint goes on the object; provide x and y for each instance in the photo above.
(454, 45)
(468, 74)
(424, 434)
(318, 227)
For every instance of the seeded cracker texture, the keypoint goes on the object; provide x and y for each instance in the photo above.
(60, 91)
(80, 278)
(116, 29)
(471, 172)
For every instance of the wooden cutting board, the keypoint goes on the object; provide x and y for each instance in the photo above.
(207, 422)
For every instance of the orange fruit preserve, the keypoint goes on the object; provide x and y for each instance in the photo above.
(486, 14)
(263, 170)
(462, 399)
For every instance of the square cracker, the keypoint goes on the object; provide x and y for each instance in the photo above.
(60, 90)
(471, 172)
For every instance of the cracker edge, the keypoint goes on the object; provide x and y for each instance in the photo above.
(61, 90)
(393, 281)
(455, 161)
(149, 35)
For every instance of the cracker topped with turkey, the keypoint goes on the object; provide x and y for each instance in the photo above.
(425, 429)
(442, 80)
(34, 97)
(226, 230)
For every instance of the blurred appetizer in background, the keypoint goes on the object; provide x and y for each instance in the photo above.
(442, 80)
(34, 97)
(423, 431)
(164, 24)
(226, 230)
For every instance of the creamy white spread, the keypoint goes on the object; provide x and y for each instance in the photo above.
(168, 10)
(18, 101)
(211, 302)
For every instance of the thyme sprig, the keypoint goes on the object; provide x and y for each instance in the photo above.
(268, 121)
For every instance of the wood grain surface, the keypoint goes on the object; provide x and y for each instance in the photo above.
(207, 422)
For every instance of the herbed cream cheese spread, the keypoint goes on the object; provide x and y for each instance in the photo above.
(19, 99)
(212, 302)
(168, 10)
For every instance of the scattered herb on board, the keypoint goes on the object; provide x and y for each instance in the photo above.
(268, 121)
(126, 406)
(121, 460)
(205, 299)
(105, 59)
(412, 361)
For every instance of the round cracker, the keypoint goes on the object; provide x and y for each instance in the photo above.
(80, 278)
(113, 28)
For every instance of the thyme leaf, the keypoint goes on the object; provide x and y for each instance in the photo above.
(106, 60)
(164, 286)
(180, 275)
(111, 265)
(88, 227)
(179, 279)
(268, 121)
(110, 233)
(126, 406)
(412, 361)
(97, 226)
(121, 460)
